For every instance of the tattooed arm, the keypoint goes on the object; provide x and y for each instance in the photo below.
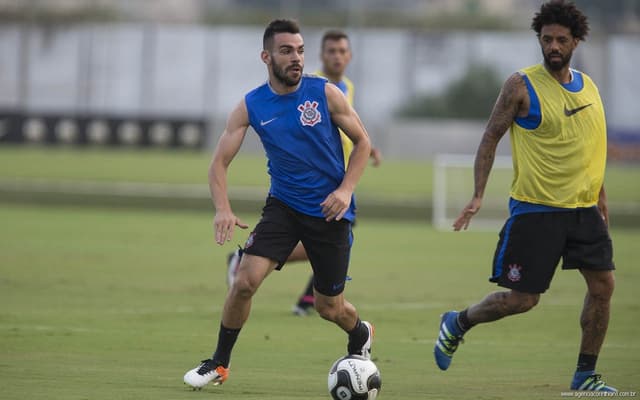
(512, 102)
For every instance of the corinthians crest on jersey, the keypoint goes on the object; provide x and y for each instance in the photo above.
(309, 114)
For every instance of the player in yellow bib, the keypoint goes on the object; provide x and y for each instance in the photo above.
(559, 149)
(343, 83)
(558, 203)
(335, 56)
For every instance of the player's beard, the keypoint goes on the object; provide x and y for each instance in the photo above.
(556, 64)
(281, 74)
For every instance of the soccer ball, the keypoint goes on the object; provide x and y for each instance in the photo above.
(354, 378)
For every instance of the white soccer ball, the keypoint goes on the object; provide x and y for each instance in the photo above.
(354, 378)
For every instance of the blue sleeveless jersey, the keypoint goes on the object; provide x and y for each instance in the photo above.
(304, 152)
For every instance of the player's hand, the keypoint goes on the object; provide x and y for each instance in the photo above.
(224, 223)
(336, 204)
(471, 209)
(604, 210)
(376, 156)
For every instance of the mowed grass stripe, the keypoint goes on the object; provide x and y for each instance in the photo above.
(394, 179)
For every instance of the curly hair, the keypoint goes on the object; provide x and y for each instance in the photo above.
(563, 13)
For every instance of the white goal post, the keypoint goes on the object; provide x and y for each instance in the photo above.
(453, 188)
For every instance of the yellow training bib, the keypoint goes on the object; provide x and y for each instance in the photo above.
(346, 86)
(560, 149)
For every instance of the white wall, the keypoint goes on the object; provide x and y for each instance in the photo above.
(204, 71)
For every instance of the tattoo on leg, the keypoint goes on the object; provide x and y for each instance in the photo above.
(594, 322)
(491, 308)
(501, 304)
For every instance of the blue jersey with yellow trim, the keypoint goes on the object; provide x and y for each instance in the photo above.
(304, 152)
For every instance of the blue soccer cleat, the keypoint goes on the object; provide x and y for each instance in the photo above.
(448, 339)
(590, 381)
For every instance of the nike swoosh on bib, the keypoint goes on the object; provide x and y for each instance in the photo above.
(263, 123)
(569, 113)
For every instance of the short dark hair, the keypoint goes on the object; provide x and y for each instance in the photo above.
(333, 34)
(278, 26)
(563, 13)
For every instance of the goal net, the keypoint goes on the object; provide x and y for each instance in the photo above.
(453, 187)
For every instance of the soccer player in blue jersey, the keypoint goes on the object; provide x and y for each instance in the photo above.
(297, 118)
(335, 55)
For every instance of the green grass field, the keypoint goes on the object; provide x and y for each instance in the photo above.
(410, 180)
(105, 304)
(191, 167)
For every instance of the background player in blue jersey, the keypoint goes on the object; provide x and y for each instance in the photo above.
(335, 55)
(297, 118)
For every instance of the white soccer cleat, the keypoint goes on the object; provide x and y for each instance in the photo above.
(300, 311)
(205, 373)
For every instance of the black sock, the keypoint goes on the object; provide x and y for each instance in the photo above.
(357, 337)
(309, 290)
(463, 321)
(305, 299)
(586, 362)
(226, 339)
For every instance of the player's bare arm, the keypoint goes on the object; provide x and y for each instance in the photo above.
(345, 117)
(226, 149)
(375, 154)
(512, 102)
(602, 205)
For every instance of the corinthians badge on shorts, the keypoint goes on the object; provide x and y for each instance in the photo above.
(309, 114)
(250, 240)
(514, 274)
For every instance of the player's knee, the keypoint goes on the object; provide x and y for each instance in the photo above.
(602, 287)
(243, 287)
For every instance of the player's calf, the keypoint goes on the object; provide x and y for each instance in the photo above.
(498, 305)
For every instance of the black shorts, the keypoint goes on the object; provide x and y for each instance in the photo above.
(328, 244)
(532, 244)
